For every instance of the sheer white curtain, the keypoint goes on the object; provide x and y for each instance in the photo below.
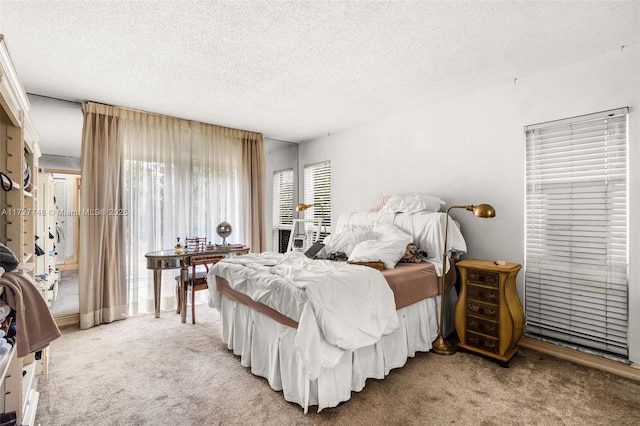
(181, 179)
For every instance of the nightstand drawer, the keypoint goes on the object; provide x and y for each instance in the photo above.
(483, 294)
(487, 278)
(490, 328)
(482, 342)
(483, 310)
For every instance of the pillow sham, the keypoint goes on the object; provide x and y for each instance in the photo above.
(412, 203)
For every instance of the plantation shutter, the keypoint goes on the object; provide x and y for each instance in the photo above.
(576, 231)
(282, 205)
(317, 191)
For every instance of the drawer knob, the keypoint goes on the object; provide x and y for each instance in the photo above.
(489, 296)
(490, 311)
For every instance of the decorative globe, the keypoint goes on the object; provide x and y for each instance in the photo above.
(223, 230)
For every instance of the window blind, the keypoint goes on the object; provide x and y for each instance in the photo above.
(282, 205)
(317, 191)
(576, 231)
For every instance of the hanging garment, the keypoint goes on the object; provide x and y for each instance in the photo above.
(35, 326)
(8, 259)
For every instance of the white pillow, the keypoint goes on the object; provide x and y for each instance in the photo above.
(389, 246)
(389, 252)
(390, 232)
(412, 203)
(345, 241)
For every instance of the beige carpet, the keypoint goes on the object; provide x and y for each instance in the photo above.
(148, 371)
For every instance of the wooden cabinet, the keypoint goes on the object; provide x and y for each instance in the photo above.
(489, 317)
(19, 153)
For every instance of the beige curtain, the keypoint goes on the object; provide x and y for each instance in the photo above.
(102, 283)
(177, 178)
(253, 162)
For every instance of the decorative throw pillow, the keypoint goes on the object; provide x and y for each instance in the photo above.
(412, 255)
(380, 204)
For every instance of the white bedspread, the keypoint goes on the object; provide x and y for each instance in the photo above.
(339, 307)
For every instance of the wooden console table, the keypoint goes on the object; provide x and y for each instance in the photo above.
(168, 259)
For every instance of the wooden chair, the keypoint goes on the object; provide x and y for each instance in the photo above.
(196, 280)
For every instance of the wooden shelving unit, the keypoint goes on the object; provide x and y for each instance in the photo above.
(18, 150)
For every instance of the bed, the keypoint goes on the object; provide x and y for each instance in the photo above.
(317, 329)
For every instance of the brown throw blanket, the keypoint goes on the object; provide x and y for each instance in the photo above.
(35, 326)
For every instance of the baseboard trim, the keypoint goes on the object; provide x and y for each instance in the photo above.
(624, 370)
(68, 320)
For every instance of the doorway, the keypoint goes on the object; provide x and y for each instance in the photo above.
(66, 306)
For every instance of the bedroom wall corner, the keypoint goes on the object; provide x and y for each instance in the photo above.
(471, 150)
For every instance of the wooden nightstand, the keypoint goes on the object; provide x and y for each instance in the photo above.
(489, 317)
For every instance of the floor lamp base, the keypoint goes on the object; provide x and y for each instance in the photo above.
(442, 347)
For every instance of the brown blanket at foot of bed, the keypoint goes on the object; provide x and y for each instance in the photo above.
(412, 282)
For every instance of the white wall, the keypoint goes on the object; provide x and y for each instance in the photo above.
(60, 163)
(279, 155)
(470, 150)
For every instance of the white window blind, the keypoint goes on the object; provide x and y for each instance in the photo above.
(282, 205)
(576, 231)
(317, 191)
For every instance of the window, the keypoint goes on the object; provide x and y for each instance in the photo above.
(317, 191)
(282, 208)
(576, 232)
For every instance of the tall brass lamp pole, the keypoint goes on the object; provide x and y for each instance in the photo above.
(441, 346)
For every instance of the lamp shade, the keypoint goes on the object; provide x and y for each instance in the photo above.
(302, 207)
(484, 210)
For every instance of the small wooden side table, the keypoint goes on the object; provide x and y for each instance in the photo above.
(489, 317)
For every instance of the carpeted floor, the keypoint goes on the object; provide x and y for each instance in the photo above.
(148, 371)
(67, 301)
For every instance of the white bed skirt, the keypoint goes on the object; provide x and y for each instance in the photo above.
(268, 348)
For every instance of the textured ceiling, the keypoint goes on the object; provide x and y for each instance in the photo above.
(297, 70)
